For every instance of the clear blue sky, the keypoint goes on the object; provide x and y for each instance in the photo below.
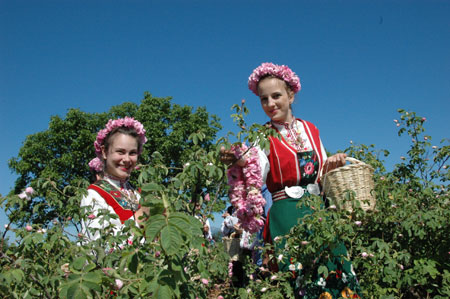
(359, 61)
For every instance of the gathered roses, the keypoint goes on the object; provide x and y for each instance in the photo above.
(245, 192)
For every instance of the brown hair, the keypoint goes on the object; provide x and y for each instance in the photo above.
(123, 130)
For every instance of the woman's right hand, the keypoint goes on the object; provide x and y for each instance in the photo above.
(227, 157)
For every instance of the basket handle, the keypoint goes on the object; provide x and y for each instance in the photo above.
(353, 160)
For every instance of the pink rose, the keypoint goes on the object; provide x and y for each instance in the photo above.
(29, 190)
(157, 254)
(29, 228)
(92, 216)
(358, 223)
(204, 281)
(424, 119)
(119, 284)
(309, 168)
(207, 197)
(24, 195)
(364, 254)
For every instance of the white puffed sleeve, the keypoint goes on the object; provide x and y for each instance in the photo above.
(263, 162)
(94, 203)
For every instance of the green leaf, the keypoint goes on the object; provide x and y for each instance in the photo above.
(181, 224)
(17, 274)
(323, 270)
(170, 240)
(154, 226)
(94, 277)
(151, 187)
(133, 263)
(79, 263)
(162, 292)
(76, 291)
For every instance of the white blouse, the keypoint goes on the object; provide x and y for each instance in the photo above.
(96, 203)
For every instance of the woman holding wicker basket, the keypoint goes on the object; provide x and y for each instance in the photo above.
(291, 169)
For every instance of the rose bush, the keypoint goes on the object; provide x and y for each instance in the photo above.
(401, 249)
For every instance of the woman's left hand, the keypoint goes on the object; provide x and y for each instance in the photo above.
(334, 162)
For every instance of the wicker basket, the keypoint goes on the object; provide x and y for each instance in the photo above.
(357, 177)
(232, 247)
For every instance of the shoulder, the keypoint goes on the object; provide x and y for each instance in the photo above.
(307, 123)
(92, 198)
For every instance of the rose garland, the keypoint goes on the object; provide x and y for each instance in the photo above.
(245, 192)
(96, 164)
(280, 71)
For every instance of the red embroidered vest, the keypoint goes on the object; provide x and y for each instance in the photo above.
(284, 165)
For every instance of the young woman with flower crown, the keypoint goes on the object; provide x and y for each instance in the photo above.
(117, 147)
(291, 169)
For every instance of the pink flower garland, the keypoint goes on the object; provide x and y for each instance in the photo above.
(96, 164)
(245, 192)
(280, 71)
(117, 123)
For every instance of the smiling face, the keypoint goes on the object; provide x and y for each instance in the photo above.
(276, 99)
(121, 155)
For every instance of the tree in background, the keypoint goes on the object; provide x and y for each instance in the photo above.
(55, 161)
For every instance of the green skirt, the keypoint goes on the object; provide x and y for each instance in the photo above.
(341, 280)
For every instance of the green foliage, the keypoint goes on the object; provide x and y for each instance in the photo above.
(55, 161)
(400, 250)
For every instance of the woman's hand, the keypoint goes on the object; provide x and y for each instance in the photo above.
(228, 158)
(334, 162)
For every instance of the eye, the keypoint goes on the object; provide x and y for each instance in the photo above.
(276, 95)
(263, 100)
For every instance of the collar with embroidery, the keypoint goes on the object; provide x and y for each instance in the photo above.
(292, 134)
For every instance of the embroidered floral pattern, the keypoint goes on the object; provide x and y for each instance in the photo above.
(309, 167)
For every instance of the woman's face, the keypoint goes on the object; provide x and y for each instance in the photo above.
(275, 99)
(122, 155)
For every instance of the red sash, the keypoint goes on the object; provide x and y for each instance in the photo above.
(113, 198)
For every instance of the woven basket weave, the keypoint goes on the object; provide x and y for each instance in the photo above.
(357, 177)
(232, 247)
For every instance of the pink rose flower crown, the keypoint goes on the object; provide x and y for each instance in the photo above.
(282, 72)
(96, 164)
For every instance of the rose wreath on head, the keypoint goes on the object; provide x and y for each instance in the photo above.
(96, 164)
(245, 189)
(282, 72)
